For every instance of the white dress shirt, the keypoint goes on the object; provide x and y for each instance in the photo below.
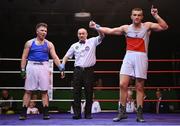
(85, 54)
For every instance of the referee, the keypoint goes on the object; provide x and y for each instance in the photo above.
(84, 52)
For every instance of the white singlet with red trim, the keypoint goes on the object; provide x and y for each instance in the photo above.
(135, 62)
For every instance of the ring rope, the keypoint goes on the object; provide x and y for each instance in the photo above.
(101, 60)
(103, 72)
(151, 60)
(100, 100)
(109, 60)
(56, 100)
(96, 88)
(153, 100)
(112, 88)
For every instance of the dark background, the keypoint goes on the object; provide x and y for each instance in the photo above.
(19, 17)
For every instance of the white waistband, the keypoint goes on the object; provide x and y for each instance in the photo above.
(136, 52)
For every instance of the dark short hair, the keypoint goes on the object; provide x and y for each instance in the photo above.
(137, 9)
(41, 24)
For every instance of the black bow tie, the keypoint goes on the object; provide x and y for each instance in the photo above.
(82, 42)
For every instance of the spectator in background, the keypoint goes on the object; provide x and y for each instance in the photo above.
(130, 104)
(6, 107)
(38, 104)
(147, 106)
(96, 108)
(99, 83)
(32, 109)
(161, 107)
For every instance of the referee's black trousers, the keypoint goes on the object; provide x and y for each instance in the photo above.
(83, 77)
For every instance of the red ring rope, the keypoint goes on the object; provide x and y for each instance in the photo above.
(154, 71)
(152, 60)
(154, 100)
(112, 88)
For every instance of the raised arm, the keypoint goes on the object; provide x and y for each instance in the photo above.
(92, 23)
(161, 24)
(114, 31)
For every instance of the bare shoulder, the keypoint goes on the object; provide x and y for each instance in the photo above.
(147, 24)
(50, 44)
(29, 43)
(124, 28)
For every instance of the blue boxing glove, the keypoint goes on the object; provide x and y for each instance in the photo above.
(61, 67)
